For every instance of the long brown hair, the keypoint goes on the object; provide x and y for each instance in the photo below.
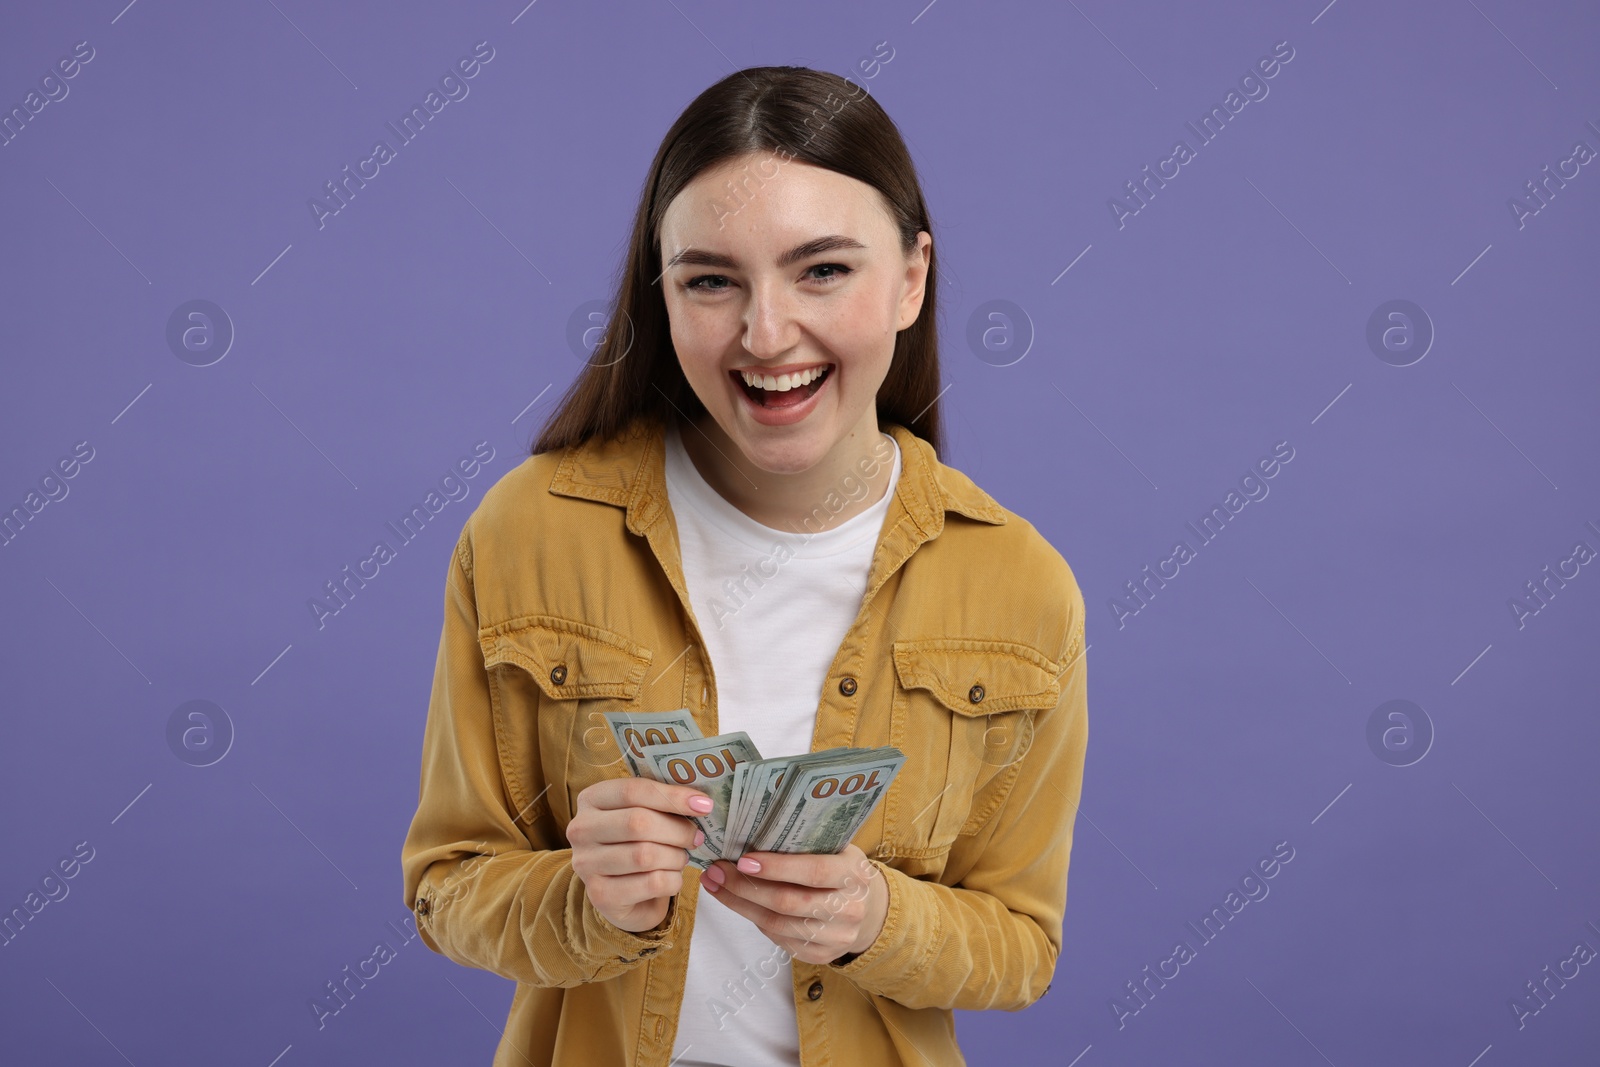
(799, 114)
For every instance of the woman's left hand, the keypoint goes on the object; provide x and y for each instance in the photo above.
(816, 907)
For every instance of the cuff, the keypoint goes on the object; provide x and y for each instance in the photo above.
(628, 946)
(911, 930)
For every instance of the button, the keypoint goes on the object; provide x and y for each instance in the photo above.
(815, 992)
(847, 686)
(423, 907)
(975, 694)
(558, 673)
(649, 951)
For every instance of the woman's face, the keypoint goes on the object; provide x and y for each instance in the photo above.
(790, 268)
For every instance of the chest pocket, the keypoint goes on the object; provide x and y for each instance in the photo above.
(963, 714)
(552, 678)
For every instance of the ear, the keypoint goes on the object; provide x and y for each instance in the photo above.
(916, 279)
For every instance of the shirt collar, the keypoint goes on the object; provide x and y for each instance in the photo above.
(629, 471)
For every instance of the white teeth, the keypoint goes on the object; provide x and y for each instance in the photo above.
(784, 382)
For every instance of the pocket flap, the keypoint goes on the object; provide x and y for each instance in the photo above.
(588, 661)
(978, 676)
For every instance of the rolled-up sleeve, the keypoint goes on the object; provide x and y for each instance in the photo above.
(991, 940)
(484, 895)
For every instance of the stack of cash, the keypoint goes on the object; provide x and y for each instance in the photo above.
(814, 802)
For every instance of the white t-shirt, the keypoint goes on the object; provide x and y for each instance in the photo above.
(773, 607)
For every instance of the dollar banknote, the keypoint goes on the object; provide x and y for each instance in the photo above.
(821, 805)
(706, 764)
(757, 785)
(751, 790)
(634, 730)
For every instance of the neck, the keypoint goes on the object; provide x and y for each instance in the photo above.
(796, 501)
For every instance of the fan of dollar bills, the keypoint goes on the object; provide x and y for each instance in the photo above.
(814, 802)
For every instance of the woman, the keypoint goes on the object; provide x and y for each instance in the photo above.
(738, 509)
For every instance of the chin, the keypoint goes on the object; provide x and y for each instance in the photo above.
(786, 457)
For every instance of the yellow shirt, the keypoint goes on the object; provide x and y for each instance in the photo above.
(565, 599)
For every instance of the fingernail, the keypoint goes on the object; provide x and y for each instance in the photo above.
(715, 874)
(708, 883)
(699, 838)
(701, 803)
(748, 865)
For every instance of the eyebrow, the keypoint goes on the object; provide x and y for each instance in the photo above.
(700, 257)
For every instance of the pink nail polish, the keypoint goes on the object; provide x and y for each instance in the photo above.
(748, 865)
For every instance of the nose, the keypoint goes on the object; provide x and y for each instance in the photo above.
(771, 328)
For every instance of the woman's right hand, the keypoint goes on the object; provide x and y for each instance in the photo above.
(630, 839)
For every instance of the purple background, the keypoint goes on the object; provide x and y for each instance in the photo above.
(1230, 313)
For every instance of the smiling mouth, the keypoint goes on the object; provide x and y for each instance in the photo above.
(773, 398)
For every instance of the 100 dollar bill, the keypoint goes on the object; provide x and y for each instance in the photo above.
(823, 804)
(636, 731)
(633, 730)
(706, 764)
(758, 784)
